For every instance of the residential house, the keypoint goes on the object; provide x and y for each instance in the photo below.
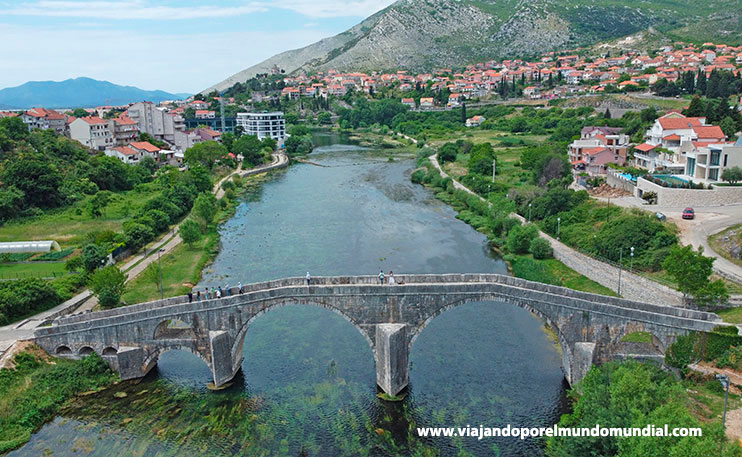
(409, 102)
(44, 119)
(92, 132)
(205, 114)
(709, 161)
(124, 153)
(475, 121)
(156, 121)
(208, 134)
(597, 147)
(264, 125)
(427, 103)
(455, 100)
(124, 130)
(146, 149)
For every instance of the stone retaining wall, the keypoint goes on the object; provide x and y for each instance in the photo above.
(718, 196)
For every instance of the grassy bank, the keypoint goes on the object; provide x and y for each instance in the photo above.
(722, 247)
(36, 388)
(32, 270)
(182, 267)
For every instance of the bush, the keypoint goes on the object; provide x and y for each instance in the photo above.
(541, 249)
(418, 176)
(520, 237)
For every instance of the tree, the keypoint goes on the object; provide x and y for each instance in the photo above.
(11, 202)
(38, 180)
(520, 238)
(692, 271)
(481, 159)
(541, 249)
(728, 126)
(732, 175)
(153, 274)
(249, 147)
(108, 285)
(463, 113)
(190, 232)
(80, 112)
(98, 203)
(205, 208)
(206, 153)
(93, 257)
(448, 152)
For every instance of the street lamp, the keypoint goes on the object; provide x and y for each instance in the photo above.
(724, 380)
(620, 268)
(631, 267)
(159, 265)
(559, 227)
(529, 213)
(494, 169)
(489, 194)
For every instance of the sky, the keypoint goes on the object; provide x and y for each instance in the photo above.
(176, 46)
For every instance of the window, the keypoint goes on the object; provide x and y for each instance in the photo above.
(726, 156)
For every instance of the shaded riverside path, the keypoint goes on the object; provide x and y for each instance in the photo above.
(308, 376)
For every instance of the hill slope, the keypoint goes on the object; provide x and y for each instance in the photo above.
(424, 34)
(74, 93)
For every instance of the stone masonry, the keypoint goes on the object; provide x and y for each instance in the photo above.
(589, 326)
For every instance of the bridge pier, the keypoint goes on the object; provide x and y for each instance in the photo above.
(221, 357)
(392, 367)
(583, 359)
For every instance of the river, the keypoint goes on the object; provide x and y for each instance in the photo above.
(307, 385)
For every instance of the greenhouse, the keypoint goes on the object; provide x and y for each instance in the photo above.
(18, 247)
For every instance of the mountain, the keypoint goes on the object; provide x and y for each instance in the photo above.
(428, 34)
(77, 93)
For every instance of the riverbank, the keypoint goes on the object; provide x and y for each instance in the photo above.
(37, 387)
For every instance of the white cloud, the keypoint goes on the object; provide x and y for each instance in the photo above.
(130, 9)
(143, 10)
(332, 8)
(175, 63)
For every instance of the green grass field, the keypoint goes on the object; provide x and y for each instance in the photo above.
(638, 337)
(70, 225)
(32, 270)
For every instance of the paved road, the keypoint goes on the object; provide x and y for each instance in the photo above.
(85, 302)
(709, 221)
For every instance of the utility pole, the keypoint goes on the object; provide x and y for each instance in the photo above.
(159, 264)
(494, 169)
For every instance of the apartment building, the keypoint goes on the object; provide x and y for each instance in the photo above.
(124, 130)
(92, 132)
(42, 118)
(264, 125)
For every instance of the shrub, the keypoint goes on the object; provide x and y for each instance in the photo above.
(520, 237)
(541, 248)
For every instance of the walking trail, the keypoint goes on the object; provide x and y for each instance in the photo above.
(633, 287)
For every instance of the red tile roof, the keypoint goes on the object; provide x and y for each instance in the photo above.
(93, 120)
(679, 123)
(125, 150)
(644, 147)
(145, 146)
(709, 131)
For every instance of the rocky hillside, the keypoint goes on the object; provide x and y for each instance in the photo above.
(424, 34)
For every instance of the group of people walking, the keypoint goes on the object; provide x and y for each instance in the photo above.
(214, 292)
(219, 292)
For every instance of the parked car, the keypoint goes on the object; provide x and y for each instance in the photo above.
(688, 213)
(661, 217)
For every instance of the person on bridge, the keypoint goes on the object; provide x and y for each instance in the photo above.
(226, 290)
(381, 277)
(198, 295)
(190, 296)
(239, 287)
(391, 278)
(219, 292)
(309, 278)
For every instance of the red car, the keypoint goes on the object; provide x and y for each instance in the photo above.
(688, 213)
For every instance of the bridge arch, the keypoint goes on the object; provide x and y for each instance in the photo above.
(110, 350)
(151, 359)
(239, 340)
(566, 350)
(85, 350)
(63, 350)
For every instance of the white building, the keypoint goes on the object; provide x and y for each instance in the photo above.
(263, 125)
(124, 130)
(125, 154)
(42, 118)
(708, 162)
(92, 132)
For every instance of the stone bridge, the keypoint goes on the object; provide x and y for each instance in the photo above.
(589, 327)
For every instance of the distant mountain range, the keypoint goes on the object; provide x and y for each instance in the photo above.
(77, 93)
(427, 34)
